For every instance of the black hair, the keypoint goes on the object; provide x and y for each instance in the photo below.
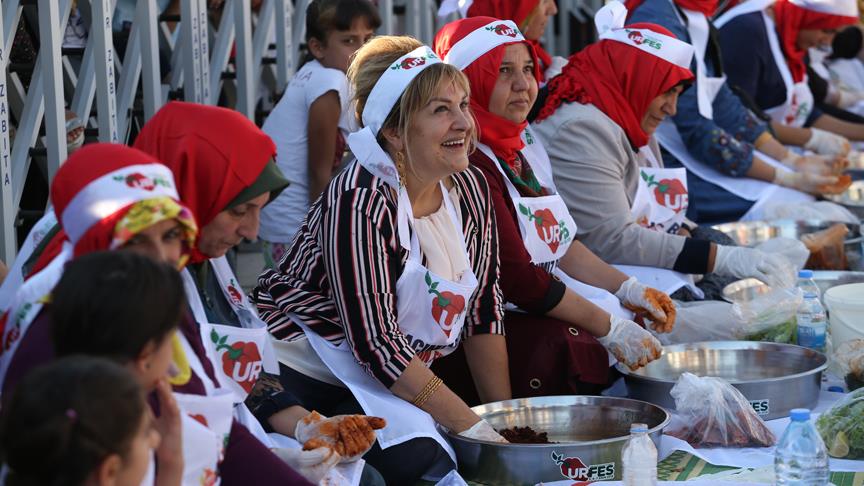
(66, 417)
(325, 16)
(114, 303)
(847, 43)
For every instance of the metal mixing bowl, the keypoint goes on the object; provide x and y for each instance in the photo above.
(852, 199)
(775, 377)
(589, 431)
(749, 288)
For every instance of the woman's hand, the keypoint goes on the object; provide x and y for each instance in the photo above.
(819, 165)
(169, 454)
(630, 344)
(350, 436)
(640, 298)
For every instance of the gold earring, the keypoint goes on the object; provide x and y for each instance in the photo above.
(400, 167)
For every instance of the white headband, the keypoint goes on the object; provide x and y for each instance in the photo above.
(610, 25)
(481, 41)
(114, 191)
(393, 83)
(843, 8)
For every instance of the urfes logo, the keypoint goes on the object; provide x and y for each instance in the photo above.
(575, 469)
(639, 39)
(502, 29)
(413, 62)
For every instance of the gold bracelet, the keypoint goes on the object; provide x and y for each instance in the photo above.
(430, 388)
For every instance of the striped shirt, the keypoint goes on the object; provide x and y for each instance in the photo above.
(339, 275)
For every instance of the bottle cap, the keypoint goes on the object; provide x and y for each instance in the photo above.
(805, 273)
(638, 428)
(799, 414)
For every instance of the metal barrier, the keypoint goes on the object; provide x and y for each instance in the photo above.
(266, 48)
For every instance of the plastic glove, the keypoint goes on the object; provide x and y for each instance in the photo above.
(630, 344)
(848, 99)
(737, 261)
(640, 298)
(312, 465)
(817, 164)
(483, 431)
(809, 183)
(827, 143)
(350, 436)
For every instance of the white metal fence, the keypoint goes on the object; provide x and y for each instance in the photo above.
(248, 57)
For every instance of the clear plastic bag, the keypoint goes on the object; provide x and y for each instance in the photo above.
(794, 251)
(769, 317)
(818, 210)
(842, 427)
(697, 321)
(712, 413)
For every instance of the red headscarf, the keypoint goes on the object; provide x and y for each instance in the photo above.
(88, 169)
(515, 10)
(214, 153)
(618, 79)
(706, 7)
(500, 134)
(790, 20)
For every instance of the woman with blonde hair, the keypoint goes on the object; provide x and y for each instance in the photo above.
(394, 264)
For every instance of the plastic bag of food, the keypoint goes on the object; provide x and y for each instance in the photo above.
(769, 317)
(794, 251)
(826, 248)
(848, 361)
(712, 413)
(842, 427)
(697, 321)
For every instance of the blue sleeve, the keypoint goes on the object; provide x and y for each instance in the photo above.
(815, 114)
(744, 45)
(725, 142)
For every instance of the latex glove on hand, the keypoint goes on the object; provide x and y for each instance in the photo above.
(312, 465)
(816, 164)
(483, 431)
(640, 298)
(804, 182)
(350, 436)
(771, 268)
(630, 344)
(847, 99)
(827, 143)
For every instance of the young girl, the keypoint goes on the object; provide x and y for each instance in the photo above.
(77, 421)
(314, 103)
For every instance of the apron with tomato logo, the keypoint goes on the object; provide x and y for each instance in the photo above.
(799, 99)
(546, 226)
(661, 200)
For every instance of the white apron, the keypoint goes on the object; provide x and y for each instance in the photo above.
(706, 87)
(15, 278)
(206, 422)
(539, 240)
(799, 99)
(660, 204)
(430, 312)
(238, 354)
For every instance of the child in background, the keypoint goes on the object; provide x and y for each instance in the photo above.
(310, 122)
(77, 421)
(127, 307)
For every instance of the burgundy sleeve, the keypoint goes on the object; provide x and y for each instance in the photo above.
(248, 461)
(523, 283)
(34, 350)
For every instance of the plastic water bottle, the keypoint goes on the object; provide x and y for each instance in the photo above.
(639, 458)
(801, 458)
(812, 323)
(807, 284)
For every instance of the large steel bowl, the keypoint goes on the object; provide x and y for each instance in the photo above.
(749, 288)
(852, 199)
(774, 377)
(589, 431)
(751, 233)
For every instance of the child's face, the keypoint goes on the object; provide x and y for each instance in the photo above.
(342, 44)
(137, 460)
(154, 363)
